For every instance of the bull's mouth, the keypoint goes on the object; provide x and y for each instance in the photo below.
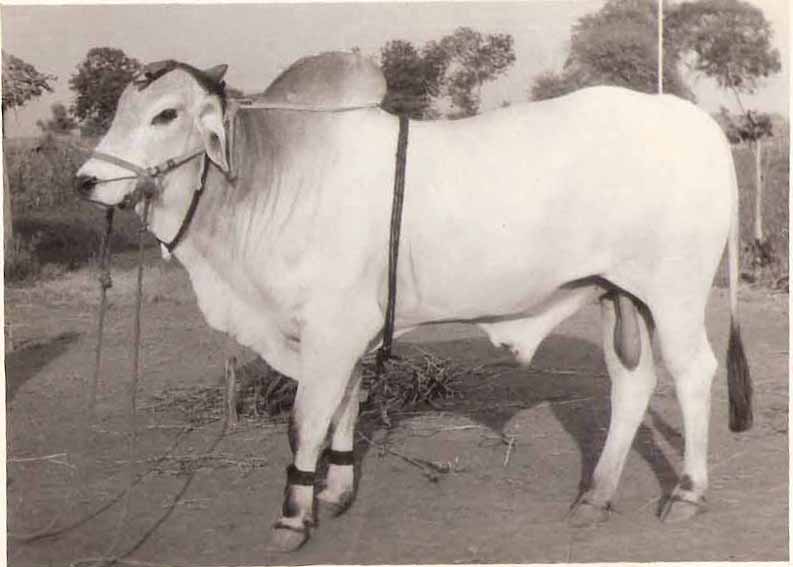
(87, 187)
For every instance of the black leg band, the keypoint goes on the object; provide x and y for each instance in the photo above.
(341, 457)
(301, 478)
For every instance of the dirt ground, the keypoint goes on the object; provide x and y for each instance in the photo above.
(203, 496)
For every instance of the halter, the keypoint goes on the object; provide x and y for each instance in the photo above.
(150, 178)
(149, 184)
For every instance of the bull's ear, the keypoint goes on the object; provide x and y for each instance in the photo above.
(216, 73)
(210, 124)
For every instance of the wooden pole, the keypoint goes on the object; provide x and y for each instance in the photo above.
(8, 227)
(758, 198)
(660, 46)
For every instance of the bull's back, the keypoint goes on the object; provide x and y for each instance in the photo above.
(526, 198)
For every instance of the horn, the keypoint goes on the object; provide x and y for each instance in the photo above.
(216, 73)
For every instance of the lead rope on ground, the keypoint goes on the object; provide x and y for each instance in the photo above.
(105, 282)
(111, 556)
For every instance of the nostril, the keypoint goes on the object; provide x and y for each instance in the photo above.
(84, 183)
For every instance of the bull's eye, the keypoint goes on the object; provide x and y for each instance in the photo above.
(165, 117)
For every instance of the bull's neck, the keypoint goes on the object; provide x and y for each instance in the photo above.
(269, 204)
(170, 207)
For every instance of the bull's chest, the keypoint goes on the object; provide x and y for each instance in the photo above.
(234, 303)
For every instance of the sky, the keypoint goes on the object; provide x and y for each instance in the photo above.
(258, 41)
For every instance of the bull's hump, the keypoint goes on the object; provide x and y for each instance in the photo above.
(334, 78)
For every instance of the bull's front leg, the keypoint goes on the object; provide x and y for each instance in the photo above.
(339, 490)
(329, 353)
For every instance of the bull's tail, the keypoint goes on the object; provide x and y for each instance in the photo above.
(739, 383)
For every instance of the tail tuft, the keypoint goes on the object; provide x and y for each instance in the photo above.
(739, 383)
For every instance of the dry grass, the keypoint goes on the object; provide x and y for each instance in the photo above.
(418, 378)
(197, 406)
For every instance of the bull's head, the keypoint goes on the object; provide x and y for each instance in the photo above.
(169, 111)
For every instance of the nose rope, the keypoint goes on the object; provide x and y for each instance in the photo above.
(142, 172)
(112, 179)
(128, 165)
(150, 184)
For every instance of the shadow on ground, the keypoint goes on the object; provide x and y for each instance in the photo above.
(567, 374)
(25, 363)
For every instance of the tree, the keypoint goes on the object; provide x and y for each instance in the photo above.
(473, 60)
(456, 67)
(617, 45)
(98, 83)
(414, 78)
(21, 82)
(550, 84)
(61, 122)
(730, 41)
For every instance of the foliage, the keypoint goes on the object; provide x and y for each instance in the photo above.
(455, 67)
(729, 39)
(61, 122)
(40, 173)
(22, 82)
(550, 84)
(98, 83)
(616, 45)
(51, 225)
(473, 60)
(748, 127)
(413, 77)
(20, 261)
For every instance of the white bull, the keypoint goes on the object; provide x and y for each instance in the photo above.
(513, 220)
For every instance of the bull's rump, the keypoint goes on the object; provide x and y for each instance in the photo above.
(504, 208)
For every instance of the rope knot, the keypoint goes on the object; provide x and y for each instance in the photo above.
(105, 279)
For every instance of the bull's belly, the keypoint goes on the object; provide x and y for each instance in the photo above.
(474, 281)
(491, 291)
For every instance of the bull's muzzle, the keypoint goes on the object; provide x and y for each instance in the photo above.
(84, 184)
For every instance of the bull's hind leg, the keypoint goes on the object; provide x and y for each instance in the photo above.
(632, 382)
(690, 360)
(338, 493)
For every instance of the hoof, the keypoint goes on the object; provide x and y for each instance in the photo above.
(679, 509)
(586, 513)
(329, 509)
(287, 538)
